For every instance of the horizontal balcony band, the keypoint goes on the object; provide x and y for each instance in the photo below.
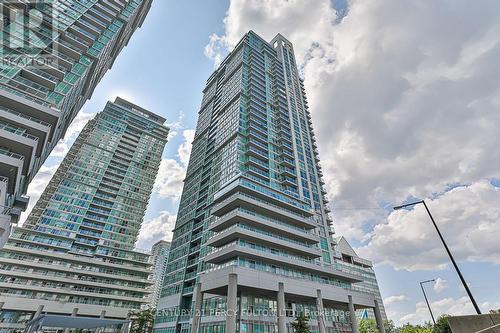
(35, 276)
(235, 250)
(238, 232)
(215, 282)
(59, 291)
(73, 258)
(257, 163)
(241, 200)
(265, 223)
(264, 194)
(16, 303)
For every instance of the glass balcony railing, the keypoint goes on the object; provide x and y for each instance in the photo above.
(17, 130)
(10, 154)
(19, 114)
(265, 233)
(267, 219)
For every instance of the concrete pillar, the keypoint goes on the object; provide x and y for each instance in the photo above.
(281, 308)
(321, 312)
(198, 301)
(38, 311)
(352, 314)
(102, 316)
(35, 327)
(73, 314)
(378, 318)
(232, 306)
(126, 326)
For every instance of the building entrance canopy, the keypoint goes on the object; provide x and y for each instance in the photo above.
(59, 321)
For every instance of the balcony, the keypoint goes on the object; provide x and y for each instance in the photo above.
(241, 231)
(215, 281)
(235, 249)
(253, 219)
(262, 207)
(266, 195)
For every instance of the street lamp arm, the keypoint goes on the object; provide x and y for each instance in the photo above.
(408, 205)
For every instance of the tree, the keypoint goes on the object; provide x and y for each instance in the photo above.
(390, 327)
(301, 324)
(368, 326)
(142, 320)
(442, 325)
(409, 328)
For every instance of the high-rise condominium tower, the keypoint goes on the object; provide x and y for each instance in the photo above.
(252, 245)
(53, 53)
(159, 258)
(75, 253)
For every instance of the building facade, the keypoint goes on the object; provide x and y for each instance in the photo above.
(75, 252)
(252, 245)
(159, 258)
(52, 56)
(345, 255)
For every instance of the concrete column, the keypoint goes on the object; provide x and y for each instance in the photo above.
(35, 327)
(232, 306)
(378, 318)
(38, 311)
(126, 327)
(352, 314)
(321, 312)
(102, 316)
(198, 301)
(73, 314)
(281, 308)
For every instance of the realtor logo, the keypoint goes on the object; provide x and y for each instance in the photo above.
(26, 31)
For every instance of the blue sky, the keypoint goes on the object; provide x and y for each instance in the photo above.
(402, 106)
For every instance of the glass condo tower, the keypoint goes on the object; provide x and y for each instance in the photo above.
(252, 245)
(75, 253)
(53, 53)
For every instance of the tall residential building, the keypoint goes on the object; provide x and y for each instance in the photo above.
(52, 56)
(159, 258)
(345, 255)
(252, 245)
(75, 252)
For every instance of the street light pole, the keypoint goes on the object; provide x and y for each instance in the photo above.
(473, 301)
(427, 301)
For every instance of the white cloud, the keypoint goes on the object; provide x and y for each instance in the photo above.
(37, 186)
(81, 119)
(184, 150)
(440, 285)
(395, 299)
(468, 218)
(449, 306)
(216, 48)
(175, 127)
(170, 178)
(158, 228)
(404, 103)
